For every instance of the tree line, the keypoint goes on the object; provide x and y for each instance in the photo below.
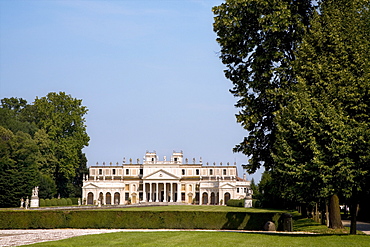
(301, 73)
(41, 145)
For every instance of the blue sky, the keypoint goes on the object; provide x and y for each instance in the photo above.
(148, 71)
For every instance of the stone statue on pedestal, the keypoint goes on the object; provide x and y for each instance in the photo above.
(35, 197)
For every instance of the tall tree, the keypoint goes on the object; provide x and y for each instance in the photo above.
(323, 133)
(258, 39)
(18, 166)
(62, 119)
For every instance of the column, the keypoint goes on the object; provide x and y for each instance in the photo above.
(171, 192)
(156, 193)
(178, 192)
(164, 192)
(144, 192)
(150, 192)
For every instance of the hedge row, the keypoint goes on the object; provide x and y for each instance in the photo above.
(235, 203)
(55, 202)
(136, 219)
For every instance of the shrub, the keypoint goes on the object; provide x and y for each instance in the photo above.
(42, 203)
(47, 202)
(74, 201)
(62, 202)
(256, 203)
(54, 202)
(235, 203)
(69, 201)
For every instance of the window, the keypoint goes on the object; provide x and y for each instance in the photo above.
(224, 172)
(127, 171)
(127, 187)
(183, 171)
(211, 172)
(197, 172)
(114, 171)
(141, 171)
(237, 190)
(100, 171)
(175, 159)
(127, 196)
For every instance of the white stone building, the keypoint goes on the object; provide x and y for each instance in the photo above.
(173, 181)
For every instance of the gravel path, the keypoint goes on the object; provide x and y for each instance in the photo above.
(23, 237)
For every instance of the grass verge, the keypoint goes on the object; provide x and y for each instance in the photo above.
(213, 239)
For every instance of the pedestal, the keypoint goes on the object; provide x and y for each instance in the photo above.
(248, 201)
(34, 202)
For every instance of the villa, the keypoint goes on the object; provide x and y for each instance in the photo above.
(153, 181)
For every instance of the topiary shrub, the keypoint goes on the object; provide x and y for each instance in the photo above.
(62, 202)
(54, 202)
(47, 202)
(69, 201)
(74, 201)
(42, 203)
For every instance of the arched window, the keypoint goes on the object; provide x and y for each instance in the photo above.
(204, 198)
(116, 198)
(226, 197)
(90, 198)
(108, 199)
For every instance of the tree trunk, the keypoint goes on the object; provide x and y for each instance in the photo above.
(327, 214)
(353, 209)
(335, 222)
(304, 210)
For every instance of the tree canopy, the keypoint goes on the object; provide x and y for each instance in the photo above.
(41, 145)
(258, 39)
(301, 75)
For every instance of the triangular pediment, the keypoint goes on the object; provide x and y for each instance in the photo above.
(227, 186)
(161, 175)
(90, 186)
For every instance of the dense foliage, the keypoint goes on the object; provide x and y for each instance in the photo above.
(41, 145)
(301, 73)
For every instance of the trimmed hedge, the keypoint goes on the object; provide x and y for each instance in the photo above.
(58, 202)
(34, 219)
(235, 203)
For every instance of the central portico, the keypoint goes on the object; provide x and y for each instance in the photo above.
(161, 186)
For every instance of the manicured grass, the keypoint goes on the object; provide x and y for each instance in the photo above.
(213, 239)
(308, 225)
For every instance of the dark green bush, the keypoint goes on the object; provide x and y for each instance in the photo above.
(74, 201)
(235, 203)
(69, 201)
(47, 202)
(54, 202)
(256, 203)
(62, 202)
(135, 219)
(42, 203)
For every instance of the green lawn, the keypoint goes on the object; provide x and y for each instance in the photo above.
(213, 239)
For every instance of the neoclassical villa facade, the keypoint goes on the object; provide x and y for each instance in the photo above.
(172, 181)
